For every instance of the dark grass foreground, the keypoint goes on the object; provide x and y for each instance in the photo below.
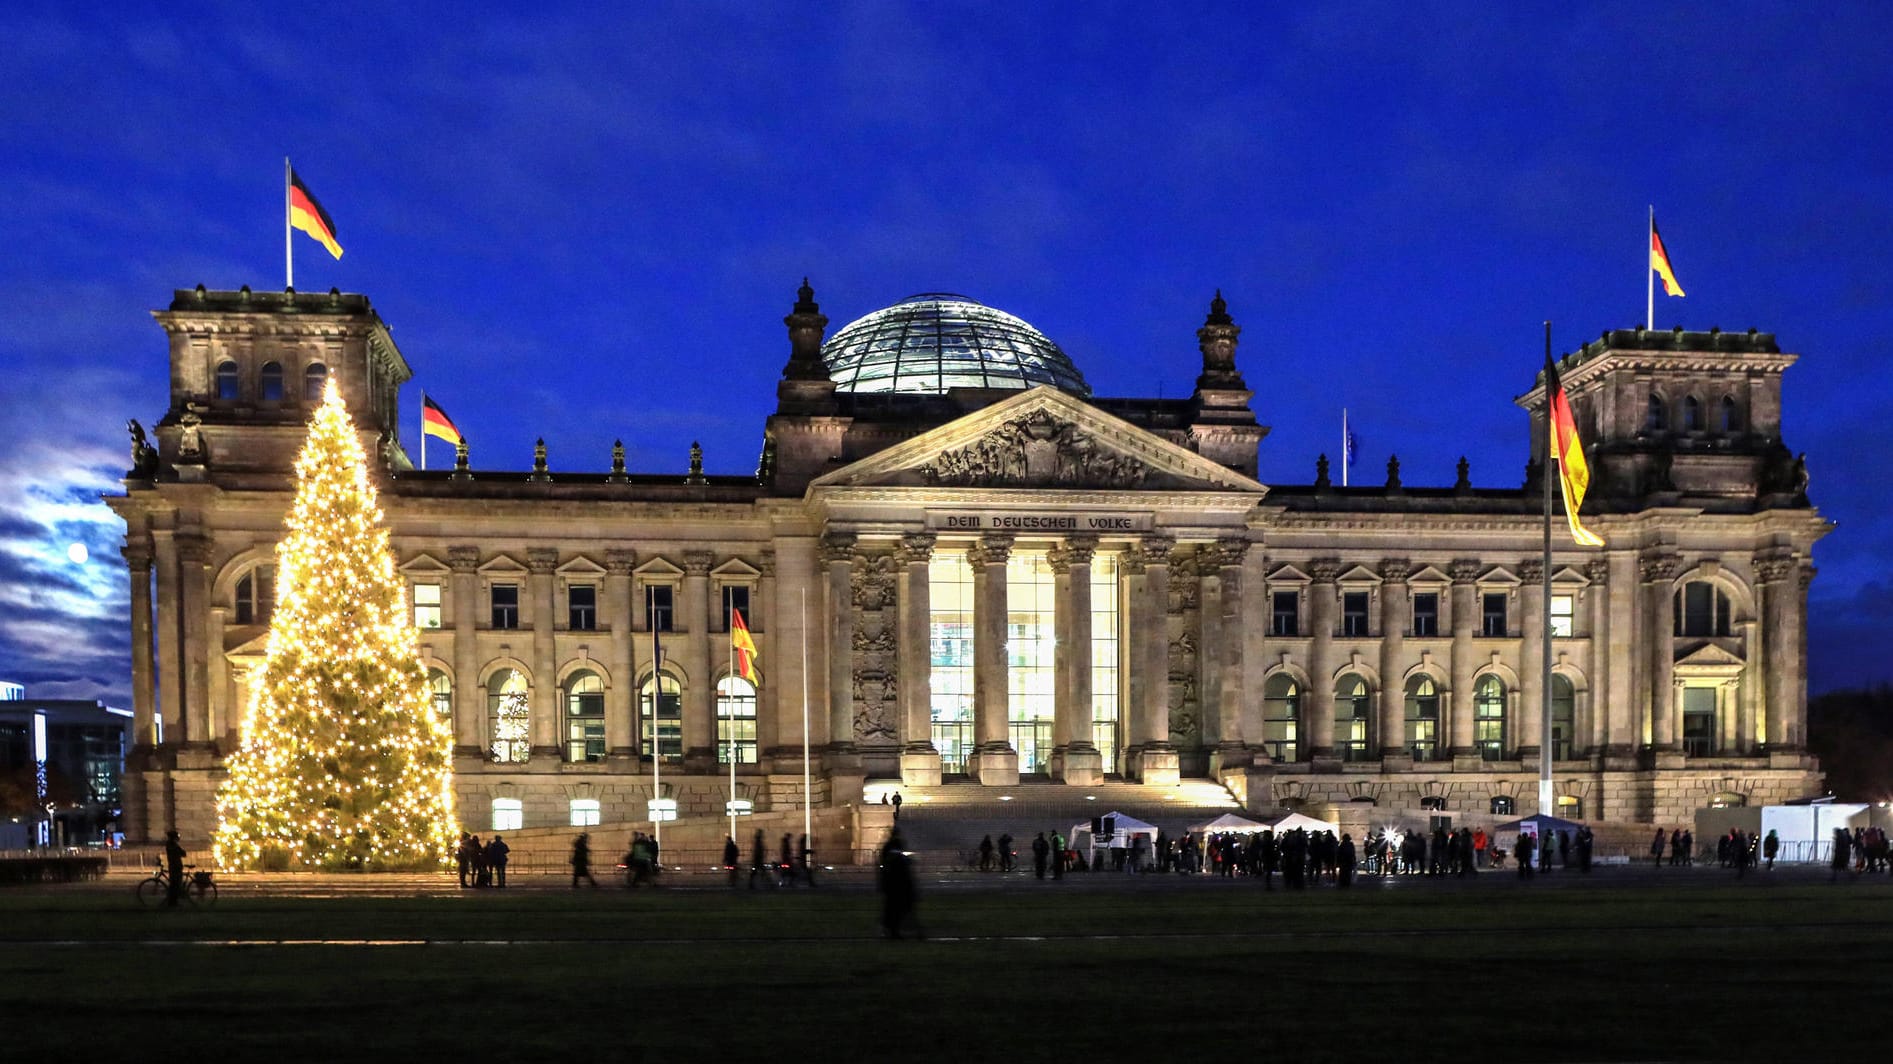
(1701, 969)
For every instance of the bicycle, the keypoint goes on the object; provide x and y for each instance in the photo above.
(199, 889)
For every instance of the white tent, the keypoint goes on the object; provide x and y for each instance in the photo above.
(1228, 823)
(1122, 828)
(1291, 821)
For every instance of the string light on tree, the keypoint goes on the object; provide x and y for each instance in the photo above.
(344, 765)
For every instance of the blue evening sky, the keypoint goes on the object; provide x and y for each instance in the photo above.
(585, 225)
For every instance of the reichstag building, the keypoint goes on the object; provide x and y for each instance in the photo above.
(1004, 577)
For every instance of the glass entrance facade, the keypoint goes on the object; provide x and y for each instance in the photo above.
(950, 647)
(1031, 679)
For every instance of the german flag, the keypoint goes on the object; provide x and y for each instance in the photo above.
(307, 215)
(1660, 262)
(743, 646)
(436, 423)
(1574, 473)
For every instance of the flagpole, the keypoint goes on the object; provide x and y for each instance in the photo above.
(423, 431)
(808, 787)
(657, 746)
(1544, 733)
(732, 726)
(1649, 273)
(289, 258)
(1345, 455)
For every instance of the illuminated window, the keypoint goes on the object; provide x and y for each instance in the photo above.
(1105, 677)
(1488, 718)
(505, 605)
(226, 379)
(509, 814)
(1426, 613)
(1563, 718)
(1727, 800)
(1570, 807)
(735, 721)
(427, 605)
(1433, 803)
(1031, 679)
(313, 378)
(440, 694)
(1563, 616)
(1281, 717)
(1502, 805)
(1353, 709)
(1422, 718)
(256, 596)
(584, 717)
(950, 647)
(507, 711)
(581, 607)
(584, 812)
(663, 698)
(270, 382)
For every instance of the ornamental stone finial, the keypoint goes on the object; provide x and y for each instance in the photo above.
(696, 465)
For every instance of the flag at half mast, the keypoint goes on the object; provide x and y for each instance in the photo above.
(307, 215)
(742, 646)
(1574, 473)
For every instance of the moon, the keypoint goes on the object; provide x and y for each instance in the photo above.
(77, 553)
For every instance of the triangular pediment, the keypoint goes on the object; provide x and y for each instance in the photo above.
(1429, 574)
(502, 563)
(423, 563)
(1360, 574)
(1709, 656)
(1568, 575)
(1043, 438)
(1499, 574)
(1286, 573)
(580, 566)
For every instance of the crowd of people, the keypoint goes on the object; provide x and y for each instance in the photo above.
(481, 864)
(792, 863)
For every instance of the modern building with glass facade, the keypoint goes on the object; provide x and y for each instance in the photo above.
(999, 576)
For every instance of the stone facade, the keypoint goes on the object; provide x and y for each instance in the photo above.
(1306, 644)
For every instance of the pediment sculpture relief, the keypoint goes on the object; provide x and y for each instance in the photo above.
(1036, 450)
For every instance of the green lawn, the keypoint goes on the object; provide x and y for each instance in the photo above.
(1697, 969)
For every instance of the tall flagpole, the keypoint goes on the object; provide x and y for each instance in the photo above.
(808, 786)
(289, 258)
(657, 703)
(1544, 733)
(1649, 272)
(732, 726)
(1345, 453)
(423, 430)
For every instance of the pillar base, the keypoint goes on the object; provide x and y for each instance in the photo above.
(1080, 765)
(1667, 757)
(1228, 757)
(1156, 765)
(996, 765)
(920, 766)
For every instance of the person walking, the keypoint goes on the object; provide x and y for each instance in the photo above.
(496, 857)
(759, 861)
(986, 854)
(896, 800)
(1843, 842)
(786, 866)
(1522, 852)
(1770, 847)
(582, 861)
(1058, 856)
(463, 857)
(1478, 847)
(1041, 853)
(1345, 862)
(898, 892)
(1689, 849)
(732, 858)
(1676, 847)
(1005, 852)
(1656, 848)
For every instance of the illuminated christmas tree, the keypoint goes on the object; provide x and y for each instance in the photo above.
(344, 764)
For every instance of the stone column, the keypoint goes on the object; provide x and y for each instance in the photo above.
(1598, 732)
(1465, 608)
(543, 732)
(143, 693)
(1136, 619)
(1659, 596)
(1531, 682)
(837, 553)
(997, 762)
(1778, 574)
(1624, 604)
(222, 714)
(621, 698)
(919, 761)
(764, 622)
(1075, 757)
(1798, 709)
(469, 696)
(193, 553)
(1232, 750)
(1395, 618)
(1158, 764)
(700, 693)
(1322, 594)
(170, 665)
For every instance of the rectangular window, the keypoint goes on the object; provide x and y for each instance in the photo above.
(581, 607)
(1494, 612)
(509, 814)
(1564, 616)
(1354, 613)
(427, 605)
(584, 812)
(659, 608)
(1285, 614)
(950, 648)
(1426, 613)
(505, 605)
(1699, 721)
(1104, 647)
(1031, 683)
(736, 597)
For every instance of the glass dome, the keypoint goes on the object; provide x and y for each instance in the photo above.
(935, 341)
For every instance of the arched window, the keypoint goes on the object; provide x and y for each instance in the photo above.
(1702, 610)
(584, 717)
(1503, 805)
(1692, 414)
(1352, 720)
(1422, 718)
(255, 597)
(1563, 718)
(1730, 418)
(735, 720)
(1655, 418)
(1281, 717)
(440, 694)
(1488, 718)
(507, 705)
(313, 379)
(270, 382)
(226, 379)
(664, 698)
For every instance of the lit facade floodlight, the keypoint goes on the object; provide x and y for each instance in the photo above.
(662, 809)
